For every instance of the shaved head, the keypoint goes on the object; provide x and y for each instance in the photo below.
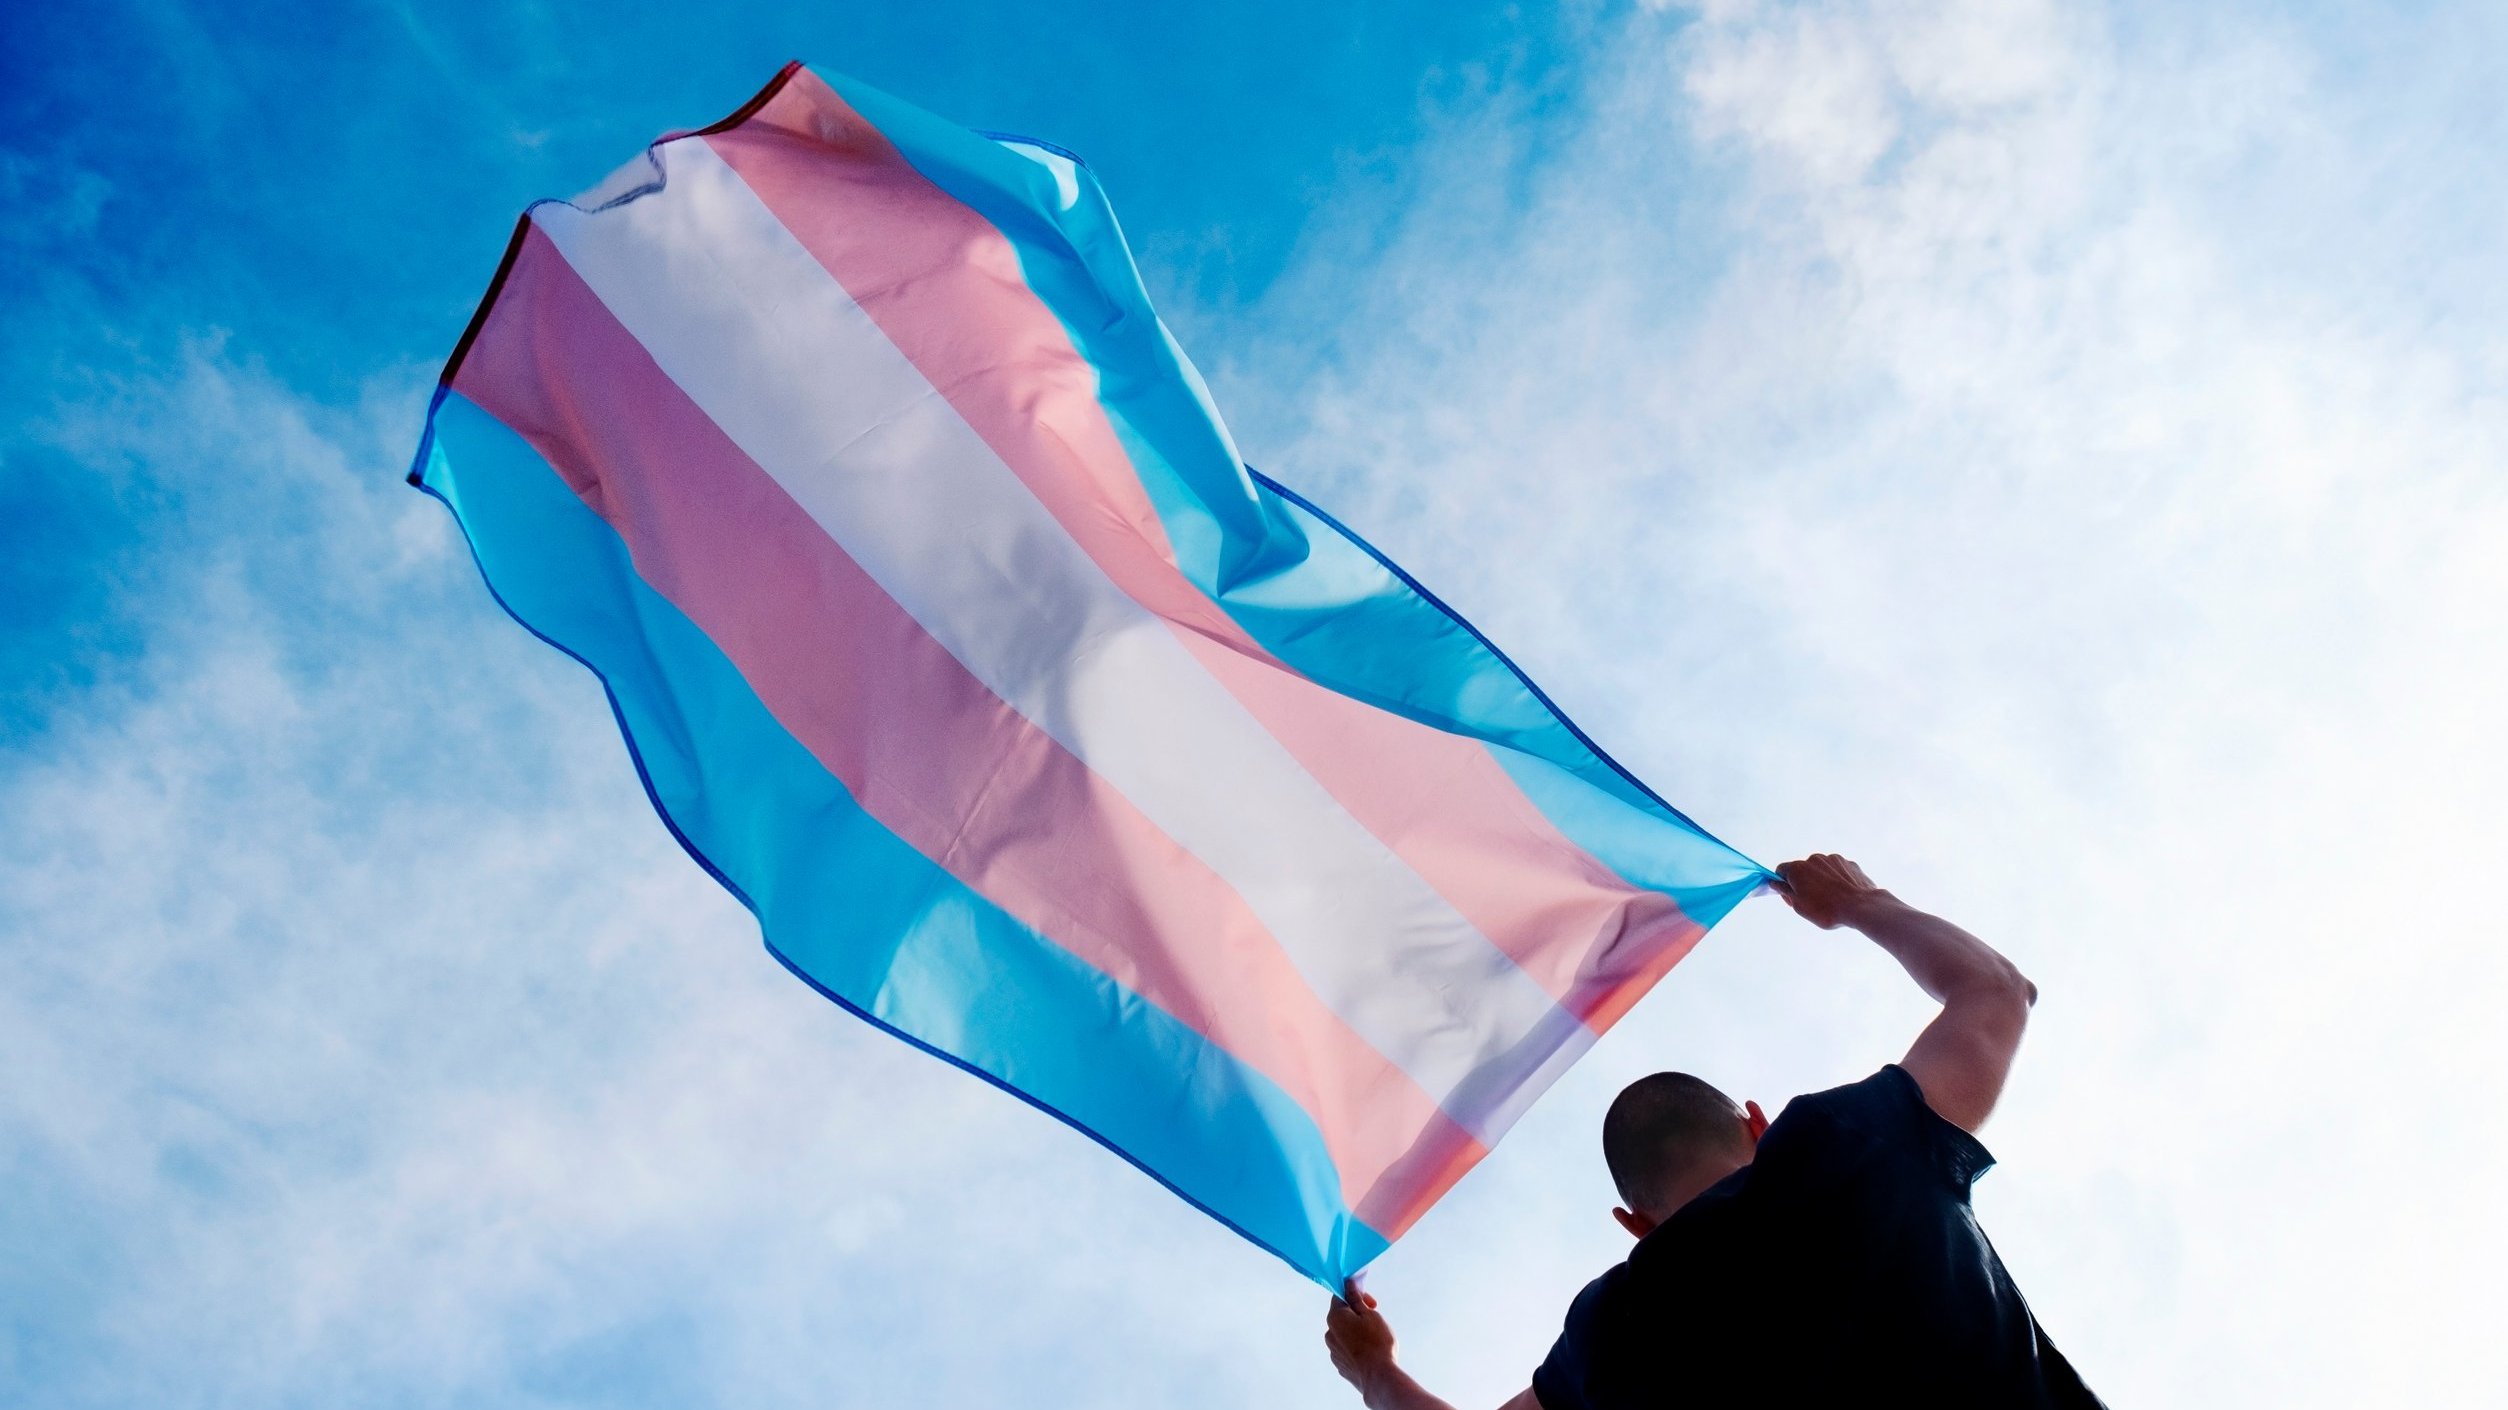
(1662, 1132)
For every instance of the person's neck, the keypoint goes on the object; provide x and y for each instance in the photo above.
(1695, 1186)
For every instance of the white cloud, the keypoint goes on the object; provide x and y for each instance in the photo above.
(1922, 452)
(369, 1041)
(2050, 452)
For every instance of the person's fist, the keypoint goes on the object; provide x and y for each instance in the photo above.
(1358, 1336)
(1825, 888)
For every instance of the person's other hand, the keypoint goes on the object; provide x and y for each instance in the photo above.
(1359, 1337)
(1825, 888)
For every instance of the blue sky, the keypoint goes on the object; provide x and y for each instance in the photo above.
(2049, 449)
(176, 169)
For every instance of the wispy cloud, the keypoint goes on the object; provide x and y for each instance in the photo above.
(1892, 428)
(368, 1040)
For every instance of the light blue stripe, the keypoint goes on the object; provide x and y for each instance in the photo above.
(860, 914)
(1311, 592)
(1706, 877)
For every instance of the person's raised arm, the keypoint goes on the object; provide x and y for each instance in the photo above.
(1962, 1057)
(1361, 1342)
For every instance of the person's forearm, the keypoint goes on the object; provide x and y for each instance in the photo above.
(1944, 960)
(1962, 1057)
(1393, 1389)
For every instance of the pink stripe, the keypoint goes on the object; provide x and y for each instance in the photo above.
(947, 289)
(1596, 942)
(921, 744)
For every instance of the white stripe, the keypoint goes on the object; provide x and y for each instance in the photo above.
(775, 351)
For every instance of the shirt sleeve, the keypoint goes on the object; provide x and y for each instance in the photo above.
(1553, 1382)
(1560, 1381)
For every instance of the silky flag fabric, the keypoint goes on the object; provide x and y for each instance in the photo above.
(948, 632)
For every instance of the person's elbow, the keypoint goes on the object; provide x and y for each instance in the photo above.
(2000, 989)
(2027, 990)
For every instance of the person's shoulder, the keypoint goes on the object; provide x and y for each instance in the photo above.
(1659, 1283)
(1889, 1090)
(1670, 1302)
(1595, 1302)
(1884, 1113)
(1857, 1107)
(1566, 1377)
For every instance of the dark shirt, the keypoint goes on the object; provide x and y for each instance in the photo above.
(1842, 1266)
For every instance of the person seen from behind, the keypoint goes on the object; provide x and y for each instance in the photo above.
(1827, 1258)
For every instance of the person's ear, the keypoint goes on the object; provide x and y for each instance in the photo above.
(1757, 1121)
(1638, 1225)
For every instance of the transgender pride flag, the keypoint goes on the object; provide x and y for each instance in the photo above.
(948, 631)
